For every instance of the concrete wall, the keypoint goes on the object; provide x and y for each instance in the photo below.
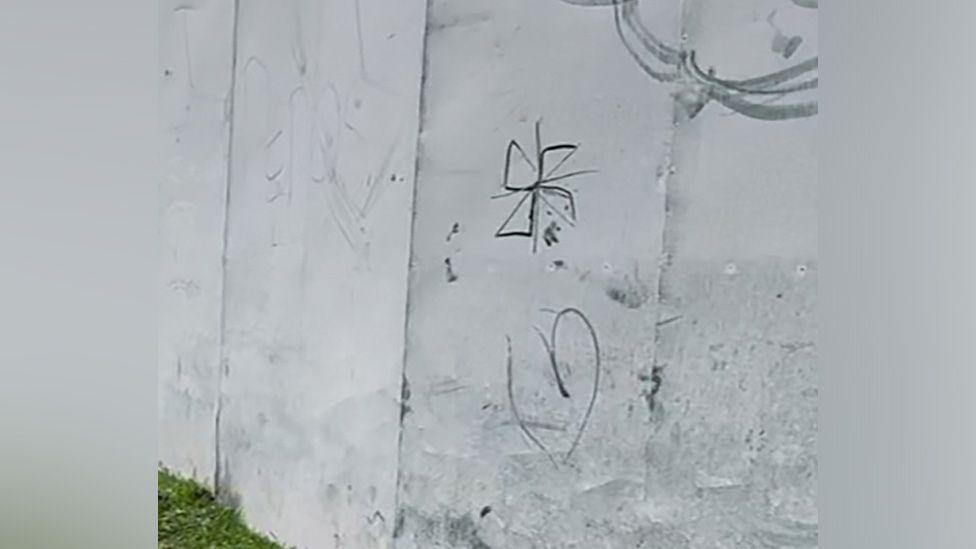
(322, 161)
(196, 43)
(732, 459)
(463, 451)
(359, 346)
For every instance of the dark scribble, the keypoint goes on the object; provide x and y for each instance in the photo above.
(629, 292)
(375, 517)
(551, 353)
(753, 97)
(656, 378)
(550, 346)
(451, 275)
(784, 45)
(455, 229)
(523, 221)
(551, 234)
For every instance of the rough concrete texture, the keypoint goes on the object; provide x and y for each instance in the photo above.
(733, 460)
(322, 165)
(462, 449)
(617, 350)
(195, 85)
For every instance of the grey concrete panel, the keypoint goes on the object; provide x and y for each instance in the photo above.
(470, 476)
(195, 85)
(319, 220)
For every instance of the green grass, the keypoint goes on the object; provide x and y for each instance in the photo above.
(191, 518)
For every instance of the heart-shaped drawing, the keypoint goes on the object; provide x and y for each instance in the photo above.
(551, 353)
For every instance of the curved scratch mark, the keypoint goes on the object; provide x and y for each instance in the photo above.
(596, 376)
(550, 346)
(515, 412)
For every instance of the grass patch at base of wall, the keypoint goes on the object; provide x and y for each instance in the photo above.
(191, 518)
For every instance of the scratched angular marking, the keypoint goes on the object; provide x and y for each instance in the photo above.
(523, 221)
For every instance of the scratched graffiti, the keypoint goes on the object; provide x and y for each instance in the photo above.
(760, 97)
(560, 373)
(321, 142)
(534, 179)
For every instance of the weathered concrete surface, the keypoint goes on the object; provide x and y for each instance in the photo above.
(733, 461)
(713, 448)
(324, 124)
(282, 370)
(195, 84)
(494, 68)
